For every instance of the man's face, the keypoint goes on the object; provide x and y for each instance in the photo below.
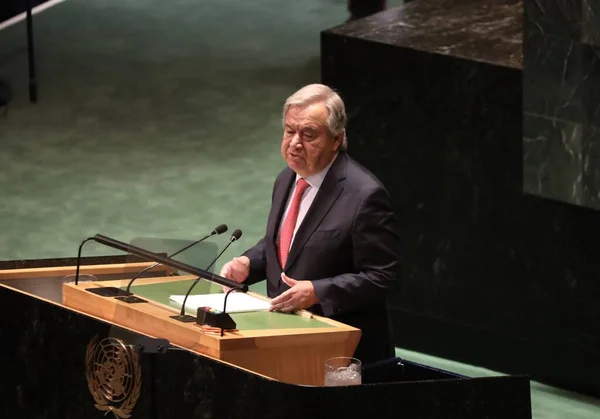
(307, 146)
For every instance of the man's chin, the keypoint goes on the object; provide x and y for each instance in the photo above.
(295, 165)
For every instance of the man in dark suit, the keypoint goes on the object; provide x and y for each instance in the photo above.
(331, 244)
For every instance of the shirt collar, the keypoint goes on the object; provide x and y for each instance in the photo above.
(317, 179)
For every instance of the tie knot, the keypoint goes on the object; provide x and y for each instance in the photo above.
(301, 185)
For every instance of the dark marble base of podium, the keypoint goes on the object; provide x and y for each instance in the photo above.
(43, 364)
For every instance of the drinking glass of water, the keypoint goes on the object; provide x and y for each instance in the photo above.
(343, 371)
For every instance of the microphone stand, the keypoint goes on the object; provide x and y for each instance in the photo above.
(154, 257)
(182, 317)
(225, 311)
(130, 298)
(79, 258)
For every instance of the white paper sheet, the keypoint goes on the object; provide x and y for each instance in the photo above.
(237, 302)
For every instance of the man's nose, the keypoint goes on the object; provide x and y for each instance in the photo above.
(295, 141)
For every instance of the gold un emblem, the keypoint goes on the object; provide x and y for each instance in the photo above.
(114, 376)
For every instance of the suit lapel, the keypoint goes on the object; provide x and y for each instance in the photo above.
(330, 190)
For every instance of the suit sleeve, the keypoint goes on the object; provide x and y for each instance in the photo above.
(258, 262)
(375, 247)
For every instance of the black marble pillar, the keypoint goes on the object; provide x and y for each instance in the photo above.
(561, 99)
(492, 276)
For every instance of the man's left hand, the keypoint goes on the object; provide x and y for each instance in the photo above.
(300, 295)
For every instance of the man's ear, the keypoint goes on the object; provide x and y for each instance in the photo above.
(337, 142)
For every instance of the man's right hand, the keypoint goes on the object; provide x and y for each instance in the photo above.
(236, 269)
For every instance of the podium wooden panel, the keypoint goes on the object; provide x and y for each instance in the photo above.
(294, 355)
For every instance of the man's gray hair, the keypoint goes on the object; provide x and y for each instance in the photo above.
(313, 93)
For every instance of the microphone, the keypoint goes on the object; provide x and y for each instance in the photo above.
(143, 253)
(129, 298)
(182, 316)
(235, 236)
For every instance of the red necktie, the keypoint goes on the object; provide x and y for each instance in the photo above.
(287, 229)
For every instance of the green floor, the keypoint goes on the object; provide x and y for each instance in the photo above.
(162, 119)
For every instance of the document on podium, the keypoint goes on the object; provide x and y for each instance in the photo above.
(237, 302)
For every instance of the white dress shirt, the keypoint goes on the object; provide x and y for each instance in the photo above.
(315, 181)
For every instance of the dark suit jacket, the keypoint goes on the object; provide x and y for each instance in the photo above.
(347, 245)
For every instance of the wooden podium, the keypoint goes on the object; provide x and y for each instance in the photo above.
(68, 353)
(291, 355)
